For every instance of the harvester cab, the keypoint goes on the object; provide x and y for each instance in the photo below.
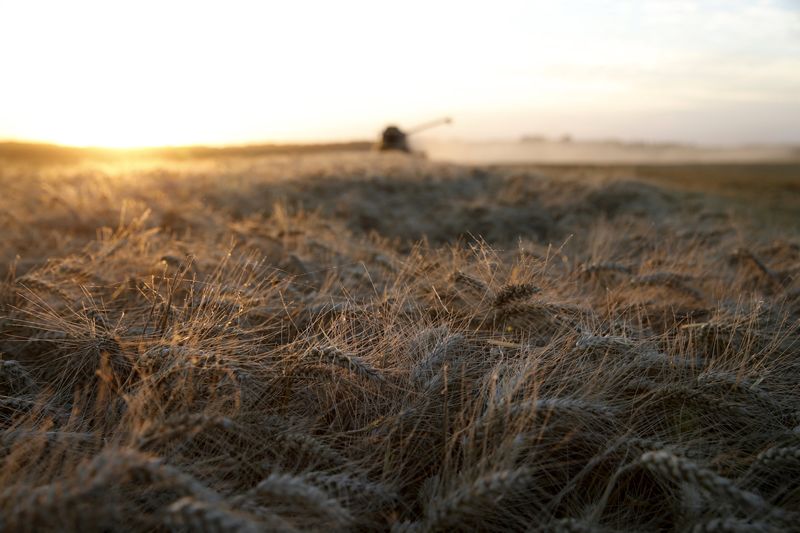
(395, 139)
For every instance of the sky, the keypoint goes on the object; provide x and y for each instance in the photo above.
(148, 73)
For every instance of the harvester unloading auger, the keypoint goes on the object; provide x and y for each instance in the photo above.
(393, 138)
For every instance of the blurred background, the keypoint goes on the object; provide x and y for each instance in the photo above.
(512, 74)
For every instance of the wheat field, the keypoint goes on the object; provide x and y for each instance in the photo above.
(365, 342)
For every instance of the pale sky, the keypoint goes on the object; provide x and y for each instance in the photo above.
(114, 73)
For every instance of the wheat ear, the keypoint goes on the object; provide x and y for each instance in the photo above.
(470, 282)
(443, 350)
(295, 488)
(471, 500)
(207, 517)
(336, 357)
(346, 484)
(571, 525)
(684, 471)
(514, 292)
(733, 525)
(14, 376)
(596, 268)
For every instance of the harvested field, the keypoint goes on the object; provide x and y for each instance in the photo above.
(355, 341)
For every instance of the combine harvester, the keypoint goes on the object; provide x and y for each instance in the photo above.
(396, 140)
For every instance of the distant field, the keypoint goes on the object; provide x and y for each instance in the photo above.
(766, 192)
(49, 154)
(345, 340)
(606, 152)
